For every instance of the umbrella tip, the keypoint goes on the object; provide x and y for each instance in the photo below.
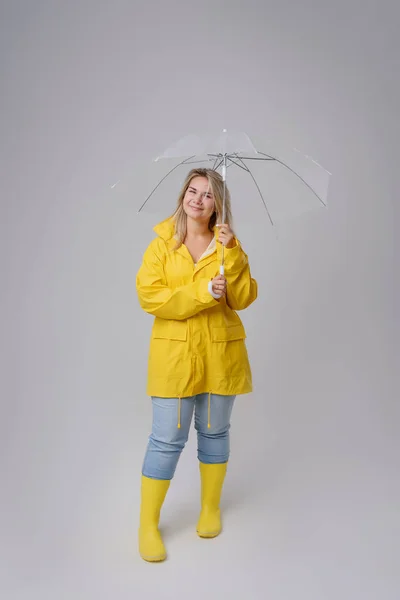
(224, 131)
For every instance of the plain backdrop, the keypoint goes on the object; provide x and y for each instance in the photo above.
(311, 501)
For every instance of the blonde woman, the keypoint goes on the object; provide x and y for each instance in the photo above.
(198, 360)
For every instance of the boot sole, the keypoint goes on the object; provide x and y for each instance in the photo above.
(208, 534)
(160, 558)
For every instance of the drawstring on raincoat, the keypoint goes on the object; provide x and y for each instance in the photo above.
(209, 411)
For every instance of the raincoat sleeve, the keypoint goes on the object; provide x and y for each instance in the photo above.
(160, 300)
(241, 289)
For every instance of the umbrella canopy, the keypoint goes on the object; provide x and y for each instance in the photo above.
(265, 179)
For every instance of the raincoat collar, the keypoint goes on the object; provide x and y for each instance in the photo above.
(166, 229)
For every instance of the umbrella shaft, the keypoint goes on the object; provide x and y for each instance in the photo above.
(224, 179)
(223, 208)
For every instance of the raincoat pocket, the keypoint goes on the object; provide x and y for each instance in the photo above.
(164, 329)
(228, 334)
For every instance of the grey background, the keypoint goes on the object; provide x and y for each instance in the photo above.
(312, 498)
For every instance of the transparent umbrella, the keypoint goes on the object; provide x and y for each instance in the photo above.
(265, 179)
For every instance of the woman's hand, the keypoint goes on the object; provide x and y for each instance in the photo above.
(219, 285)
(226, 236)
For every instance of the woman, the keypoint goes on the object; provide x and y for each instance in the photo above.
(198, 359)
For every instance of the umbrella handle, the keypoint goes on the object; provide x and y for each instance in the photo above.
(222, 270)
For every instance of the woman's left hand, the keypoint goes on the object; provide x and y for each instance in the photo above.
(225, 236)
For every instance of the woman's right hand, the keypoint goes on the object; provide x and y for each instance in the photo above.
(219, 285)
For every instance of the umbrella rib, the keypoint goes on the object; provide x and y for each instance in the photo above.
(257, 157)
(258, 188)
(229, 157)
(297, 175)
(233, 162)
(165, 177)
(221, 160)
(217, 166)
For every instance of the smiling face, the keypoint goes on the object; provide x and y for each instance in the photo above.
(198, 201)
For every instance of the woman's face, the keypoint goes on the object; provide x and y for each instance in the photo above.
(198, 202)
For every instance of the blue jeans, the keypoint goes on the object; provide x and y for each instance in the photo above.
(167, 439)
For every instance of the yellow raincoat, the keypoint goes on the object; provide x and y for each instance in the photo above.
(197, 342)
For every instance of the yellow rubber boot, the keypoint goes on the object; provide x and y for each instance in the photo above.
(212, 480)
(153, 492)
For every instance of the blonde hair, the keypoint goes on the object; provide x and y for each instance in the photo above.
(216, 184)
